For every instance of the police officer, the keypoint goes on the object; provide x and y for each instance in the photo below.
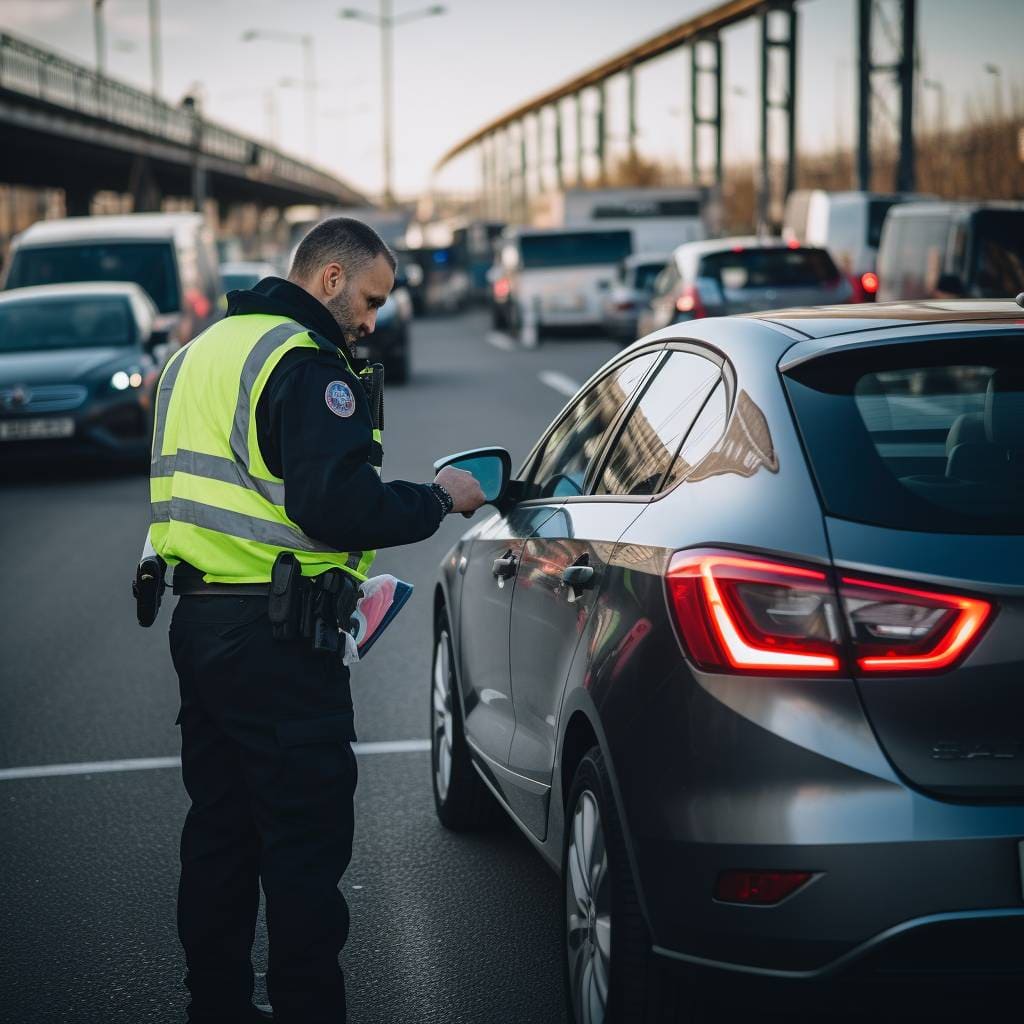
(267, 439)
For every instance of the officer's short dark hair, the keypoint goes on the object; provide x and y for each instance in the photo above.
(343, 240)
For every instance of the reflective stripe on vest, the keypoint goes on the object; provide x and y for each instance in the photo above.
(201, 491)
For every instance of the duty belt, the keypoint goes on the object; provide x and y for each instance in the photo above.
(188, 582)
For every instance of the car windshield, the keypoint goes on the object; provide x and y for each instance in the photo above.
(769, 268)
(924, 436)
(40, 325)
(998, 253)
(574, 249)
(149, 264)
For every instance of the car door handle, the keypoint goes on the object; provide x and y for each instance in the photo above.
(505, 567)
(578, 577)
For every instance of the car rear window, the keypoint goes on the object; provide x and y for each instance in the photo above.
(645, 275)
(925, 436)
(574, 249)
(41, 325)
(998, 253)
(768, 268)
(149, 264)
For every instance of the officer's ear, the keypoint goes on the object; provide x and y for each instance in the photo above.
(332, 279)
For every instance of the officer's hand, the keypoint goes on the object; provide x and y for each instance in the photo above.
(463, 487)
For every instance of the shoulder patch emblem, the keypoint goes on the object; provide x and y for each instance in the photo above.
(339, 398)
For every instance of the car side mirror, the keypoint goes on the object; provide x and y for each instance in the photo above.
(950, 284)
(492, 468)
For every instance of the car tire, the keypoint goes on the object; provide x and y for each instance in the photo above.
(462, 800)
(605, 938)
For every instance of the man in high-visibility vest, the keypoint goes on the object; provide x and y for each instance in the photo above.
(268, 439)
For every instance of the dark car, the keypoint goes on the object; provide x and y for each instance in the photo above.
(742, 651)
(78, 369)
(389, 343)
(725, 276)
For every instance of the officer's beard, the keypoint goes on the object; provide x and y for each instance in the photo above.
(340, 307)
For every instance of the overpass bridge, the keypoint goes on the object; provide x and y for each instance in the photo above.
(65, 126)
(522, 143)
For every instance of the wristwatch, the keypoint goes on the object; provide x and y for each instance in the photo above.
(446, 500)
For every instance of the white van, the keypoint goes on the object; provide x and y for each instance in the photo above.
(555, 277)
(952, 250)
(848, 224)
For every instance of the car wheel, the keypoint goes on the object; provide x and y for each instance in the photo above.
(462, 801)
(611, 974)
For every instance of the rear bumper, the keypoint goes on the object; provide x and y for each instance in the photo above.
(879, 902)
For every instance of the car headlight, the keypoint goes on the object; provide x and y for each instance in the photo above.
(122, 380)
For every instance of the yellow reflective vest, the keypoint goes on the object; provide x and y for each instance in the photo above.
(214, 502)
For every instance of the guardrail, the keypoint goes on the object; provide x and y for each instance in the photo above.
(31, 71)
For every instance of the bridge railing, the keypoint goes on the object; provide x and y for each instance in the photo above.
(49, 78)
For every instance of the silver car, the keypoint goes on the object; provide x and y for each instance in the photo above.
(742, 275)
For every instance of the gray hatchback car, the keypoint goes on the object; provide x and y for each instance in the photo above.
(741, 652)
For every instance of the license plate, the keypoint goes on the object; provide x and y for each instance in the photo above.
(566, 303)
(36, 430)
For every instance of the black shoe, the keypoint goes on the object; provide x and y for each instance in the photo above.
(255, 1015)
(259, 1014)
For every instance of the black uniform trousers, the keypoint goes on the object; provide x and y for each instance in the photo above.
(266, 731)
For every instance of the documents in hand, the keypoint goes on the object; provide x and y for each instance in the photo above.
(381, 599)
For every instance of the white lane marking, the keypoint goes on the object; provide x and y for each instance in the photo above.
(499, 340)
(559, 381)
(139, 764)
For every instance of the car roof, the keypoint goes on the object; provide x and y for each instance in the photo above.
(707, 245)
(129, 226)
(954, 206)
(128, 289)
(636, 258)
(569, 229)
(830, 321)
(246, 266)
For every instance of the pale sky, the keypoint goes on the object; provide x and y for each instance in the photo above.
(457, 71)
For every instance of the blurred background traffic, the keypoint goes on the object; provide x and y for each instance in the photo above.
(749, 156)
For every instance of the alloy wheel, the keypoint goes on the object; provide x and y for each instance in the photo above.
(588, 912)
(441, 747)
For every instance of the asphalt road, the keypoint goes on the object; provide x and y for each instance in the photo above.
(445, 927)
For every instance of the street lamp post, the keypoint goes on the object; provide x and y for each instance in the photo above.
(309, 75)
(997, 86)
(99, 36)
(154, 47)
(387, 22)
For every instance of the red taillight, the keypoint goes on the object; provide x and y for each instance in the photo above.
(502, 287)
(793, 244)
(624, 307)
(897, 629)
(869, 283)
(741, 614)
(689, 302)
(738, 613)
(198, 303)
(759, 887)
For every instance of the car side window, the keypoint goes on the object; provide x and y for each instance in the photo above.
(561, 468)
(702, 437)
(650, 438)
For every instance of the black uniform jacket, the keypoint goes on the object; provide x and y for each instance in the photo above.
(331, 490)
